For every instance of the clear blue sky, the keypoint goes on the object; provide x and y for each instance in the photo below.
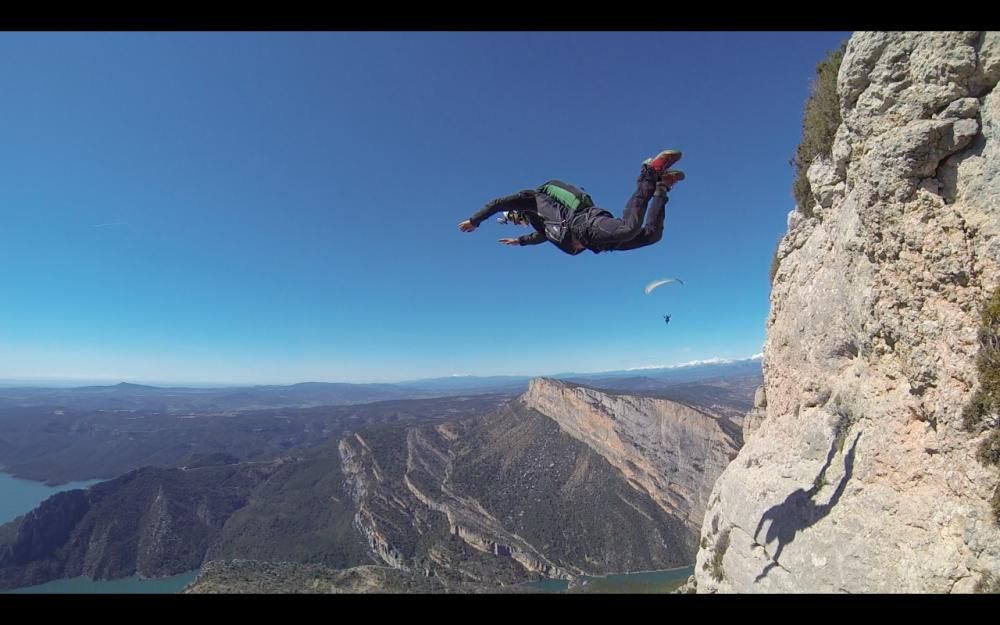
(283, 207)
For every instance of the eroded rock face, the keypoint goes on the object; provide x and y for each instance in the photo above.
(671, 451)
(515, 488)
(856, 474)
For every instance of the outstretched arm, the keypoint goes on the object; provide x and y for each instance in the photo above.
(534, 238)
(522, 200)
(528, 239)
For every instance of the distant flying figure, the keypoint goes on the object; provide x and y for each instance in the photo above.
(666, 318)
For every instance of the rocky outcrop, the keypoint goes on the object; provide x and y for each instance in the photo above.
(403, 515)
(506, 497)
(856, 474)
(668, 450)
(364, 477)
(429, 465)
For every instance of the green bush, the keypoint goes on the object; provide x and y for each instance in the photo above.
(819, 125)
(986, 400)
(978, 407)
(988, 361)
(989, 450)
(996, 503)
(988, 583)
(721, 546)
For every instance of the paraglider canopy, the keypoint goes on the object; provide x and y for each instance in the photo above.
(655, 284)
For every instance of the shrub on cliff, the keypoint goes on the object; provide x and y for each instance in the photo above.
(986, 400)
(819, 125)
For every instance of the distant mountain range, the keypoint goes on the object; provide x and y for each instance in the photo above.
(128, 396)
(697, 370)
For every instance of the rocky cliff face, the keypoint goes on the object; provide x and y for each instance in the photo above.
(501, 498)
(668, 450)
(856, 474)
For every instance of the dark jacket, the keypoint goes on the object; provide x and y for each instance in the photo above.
(551, 220)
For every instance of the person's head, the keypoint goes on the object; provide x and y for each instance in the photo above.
(515, 217)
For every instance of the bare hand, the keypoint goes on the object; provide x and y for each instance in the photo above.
(466, 226)
(510, 241)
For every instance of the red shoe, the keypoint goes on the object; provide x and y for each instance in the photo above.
(672, 177)
(663, 160)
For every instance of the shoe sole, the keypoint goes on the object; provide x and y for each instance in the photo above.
(676, 154)
(676, 176)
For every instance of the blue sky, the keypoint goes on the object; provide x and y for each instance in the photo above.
(282, 207)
